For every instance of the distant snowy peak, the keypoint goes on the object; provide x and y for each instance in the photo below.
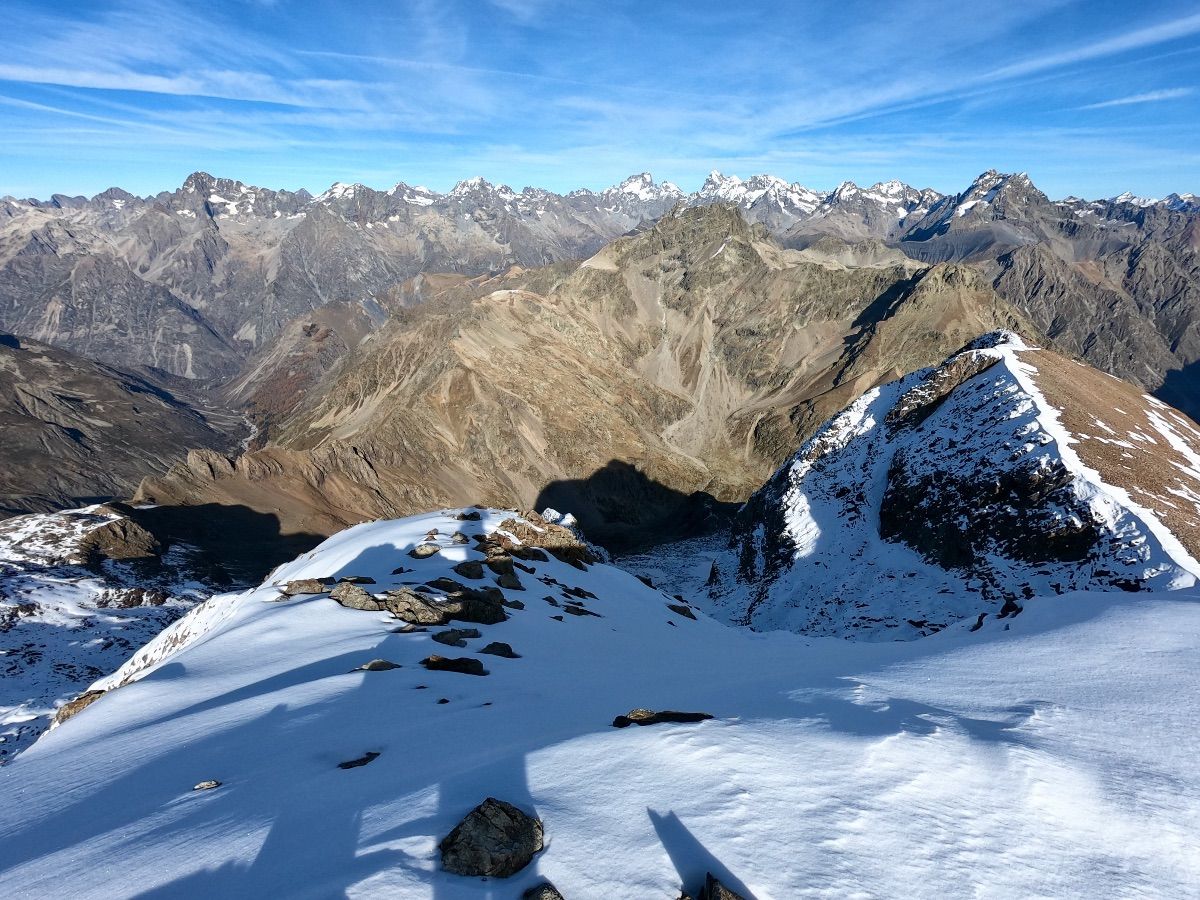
(1130, 197)
(896, 198)
(417, 196)
(1007, 471)
(340, 191)
(719, 188)
(643, 187)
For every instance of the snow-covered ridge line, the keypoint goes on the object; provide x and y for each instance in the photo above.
(956, 491)
(1103, 497)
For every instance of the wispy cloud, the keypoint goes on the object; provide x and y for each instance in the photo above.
(544, 92)
(1147, 97)
(1134, 39)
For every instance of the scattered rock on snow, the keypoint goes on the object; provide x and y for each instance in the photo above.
(352, 596)
(459, 538)
(461, 603)
(500, 563)
(456, 637)
(76, 706)
(378, 665)
(470, 568)
(304, 586)
(543, 891)
(467, 516)
(423, 551)
(578, 609)
(367, 757)
(467, 665)
(510, 581)
(355, 579)
(499, 648)
(562, 543)
(714, 890)
(495, 839)
(682, 610)
(642, 716)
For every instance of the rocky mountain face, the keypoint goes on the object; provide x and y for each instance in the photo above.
(678, 363)
(264, 296)
(195, 280)
(1116, 282)
(960, 491)
(74, 429)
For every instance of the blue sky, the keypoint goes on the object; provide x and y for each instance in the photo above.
(1090, 98)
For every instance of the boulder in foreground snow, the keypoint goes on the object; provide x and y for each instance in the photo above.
(495, 839)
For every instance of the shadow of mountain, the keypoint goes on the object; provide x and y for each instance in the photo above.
(1181, 389)
(233, 544)
(625, 510)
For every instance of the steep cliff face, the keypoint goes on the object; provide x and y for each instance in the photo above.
(690, 356)
(958, 491)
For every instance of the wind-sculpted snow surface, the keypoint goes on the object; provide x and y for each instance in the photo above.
(291, 747)
(958, 491)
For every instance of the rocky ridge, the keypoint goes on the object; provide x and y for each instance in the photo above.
(960, 491)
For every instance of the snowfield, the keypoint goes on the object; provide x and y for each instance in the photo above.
(1048, 754)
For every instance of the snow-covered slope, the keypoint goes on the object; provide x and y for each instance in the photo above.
(66, 620)
(1005, 473)
(830, 769)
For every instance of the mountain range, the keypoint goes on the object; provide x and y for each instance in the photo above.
(277, 304)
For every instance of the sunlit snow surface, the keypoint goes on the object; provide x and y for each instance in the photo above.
(1049, 755)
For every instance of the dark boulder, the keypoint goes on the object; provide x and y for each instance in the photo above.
(455, 637)
(369, 756)
(499, 648)
(470, 568)
(543, 891)
(465, 665)
(510, 581)
(460, 603)
(494, 840)
(641, 716)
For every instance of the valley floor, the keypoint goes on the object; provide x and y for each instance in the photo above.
(1052, 754)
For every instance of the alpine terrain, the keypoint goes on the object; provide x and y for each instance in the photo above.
(753, 542)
